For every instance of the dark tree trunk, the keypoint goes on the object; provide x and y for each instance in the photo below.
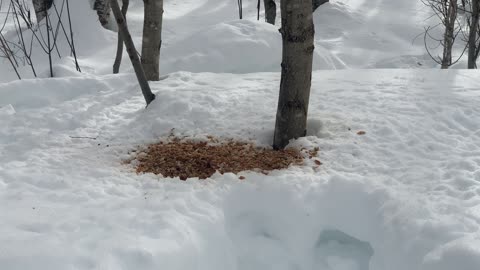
(258, 10)
(472, 38)
(270, 11)
(103, 11)
(118, 58)
(297, 57)
(240, 9)
(49, 45)
(317, 3)
(41, 7)
(132, 52)
(449, 36)
(152, 38)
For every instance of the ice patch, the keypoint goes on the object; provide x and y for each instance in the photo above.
(335, 246)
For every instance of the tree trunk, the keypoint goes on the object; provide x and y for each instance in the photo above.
(49, 45)
(152, 38)
(297, 57)
(240, 9)
(270, 11)
(449, 36)
(132, 52)
(41, 7)
(258, 10)
(472, 38)
(317, 3)
(103, 11)
(118, 57)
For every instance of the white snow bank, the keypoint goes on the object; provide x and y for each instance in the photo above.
(205, 36)
(241, 46)
(374, 34)
(39, 93)
(403, 196)
(236, 47)
(461, 253)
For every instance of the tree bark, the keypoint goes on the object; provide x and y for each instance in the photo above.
(472, 37)
(297, 56)
(152, 38)
(449, 36)
(270, 11)
(317, 3)
(132, 52)
(240, 9)
(118, 57)
(41, 7)
(103, 11)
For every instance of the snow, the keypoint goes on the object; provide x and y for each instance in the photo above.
(407, 191)
(405, 195)
(206, 36)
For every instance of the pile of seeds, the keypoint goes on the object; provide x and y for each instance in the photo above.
(185, 159)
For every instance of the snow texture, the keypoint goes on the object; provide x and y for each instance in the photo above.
(405, 195)
(206, 36)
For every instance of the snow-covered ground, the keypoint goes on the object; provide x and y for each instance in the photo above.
(406, 195)
(408, 190)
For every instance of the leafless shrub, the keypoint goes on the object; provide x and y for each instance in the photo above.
(447, 12)
(25, 27)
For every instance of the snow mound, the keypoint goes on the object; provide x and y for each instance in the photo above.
(39, 93)
(241, 46)
(278, 228)
(373, 34)
(462, 253)
(203, 36)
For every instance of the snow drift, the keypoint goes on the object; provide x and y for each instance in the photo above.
(204, 36)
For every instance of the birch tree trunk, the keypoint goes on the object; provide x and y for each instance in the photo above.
(472, 37)
(449, 36)
(132, 52)
(270, 11)
(297, 57)
(152, 38)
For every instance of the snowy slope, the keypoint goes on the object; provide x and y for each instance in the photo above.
(206, 36)
(406, 192)
(374, 34)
